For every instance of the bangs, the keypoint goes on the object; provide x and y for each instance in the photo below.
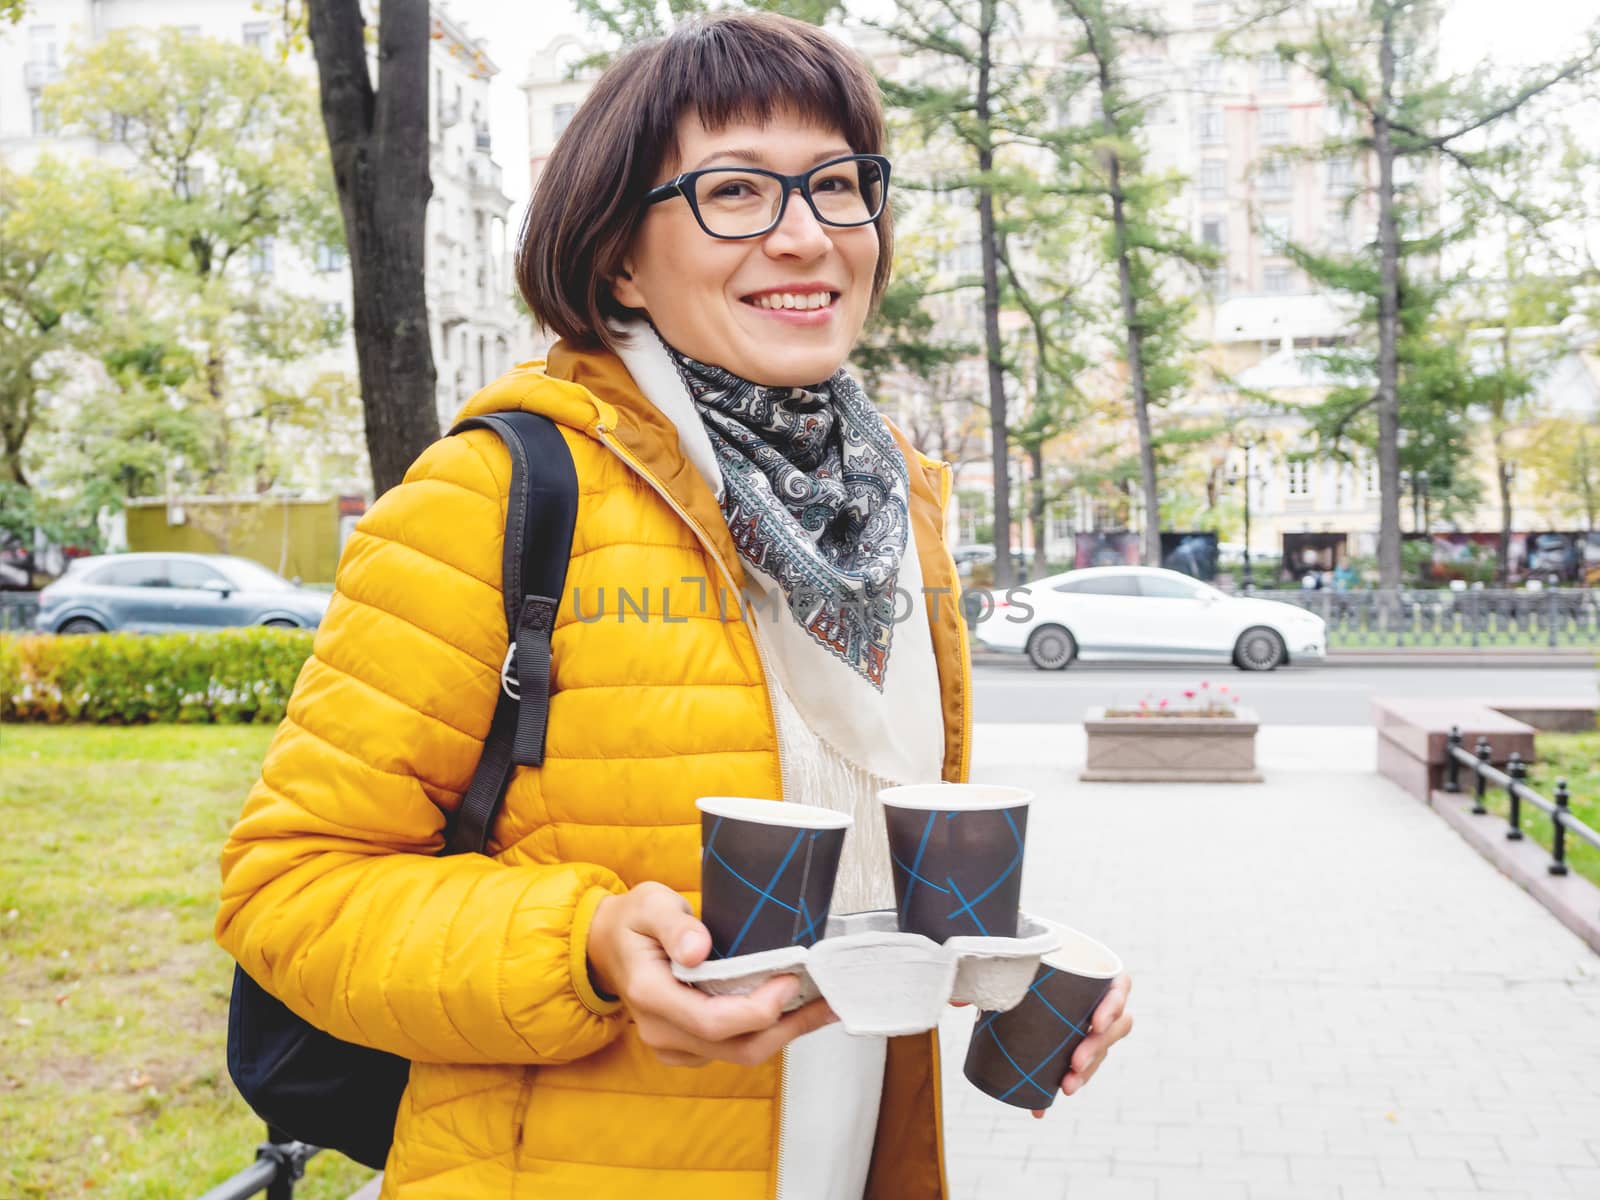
(725, 76)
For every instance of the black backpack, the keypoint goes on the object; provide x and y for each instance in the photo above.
(306, 1083)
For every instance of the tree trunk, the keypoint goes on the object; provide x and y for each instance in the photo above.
(1150, 550)
(999, 432)
(1388, 323)
(14, 427)
(1036, 507)
(379, 144)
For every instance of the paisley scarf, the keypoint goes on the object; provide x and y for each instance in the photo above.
(815, 495)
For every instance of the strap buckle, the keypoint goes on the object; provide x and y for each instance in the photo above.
(508, 674)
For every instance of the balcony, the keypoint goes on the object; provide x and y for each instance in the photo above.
(482, 136)
(449, 114)
(485, 178)
(36, 75)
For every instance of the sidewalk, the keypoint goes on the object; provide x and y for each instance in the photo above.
(1335, 997)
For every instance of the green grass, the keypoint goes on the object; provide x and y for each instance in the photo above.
(1531, 639)
(1574, 757)
(113, 1079)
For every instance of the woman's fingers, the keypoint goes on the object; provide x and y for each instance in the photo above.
(666, 917)
(656, 996)
(746, 1050)
(1086, 1059)
(1110, 1008)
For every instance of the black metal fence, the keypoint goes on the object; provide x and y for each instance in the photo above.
(1471, 619)
(280, 1162)
(1512, 779)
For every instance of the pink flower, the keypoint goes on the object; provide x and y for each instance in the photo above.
(1205, 683)
(1163, 702)
(1188, 695)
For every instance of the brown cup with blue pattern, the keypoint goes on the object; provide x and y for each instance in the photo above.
(1020, 1056)
(956, 853)
(766, 872)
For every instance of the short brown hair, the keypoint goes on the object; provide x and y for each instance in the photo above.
(590, 198)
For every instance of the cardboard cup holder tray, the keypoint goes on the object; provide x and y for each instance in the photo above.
(884, 983)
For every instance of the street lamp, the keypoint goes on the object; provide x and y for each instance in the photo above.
(1247, 441)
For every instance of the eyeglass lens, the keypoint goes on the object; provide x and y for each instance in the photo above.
(738, 203)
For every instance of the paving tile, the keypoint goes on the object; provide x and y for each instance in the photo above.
(1333, 997)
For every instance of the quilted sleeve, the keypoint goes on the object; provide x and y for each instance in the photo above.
(333, 897)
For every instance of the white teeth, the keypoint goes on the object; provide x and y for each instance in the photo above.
(794, 300)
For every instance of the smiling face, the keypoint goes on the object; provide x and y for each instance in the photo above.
(783, 309)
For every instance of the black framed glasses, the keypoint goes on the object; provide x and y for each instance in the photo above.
(734, 203)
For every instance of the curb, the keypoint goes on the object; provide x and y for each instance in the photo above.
(1571, 899)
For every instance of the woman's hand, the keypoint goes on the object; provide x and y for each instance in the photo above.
(1109, 1025)
(633, 941)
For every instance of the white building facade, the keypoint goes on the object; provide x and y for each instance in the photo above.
(477, 331)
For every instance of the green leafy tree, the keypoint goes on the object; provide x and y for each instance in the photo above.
(1562, 455)
(1142, 239)
(51, 268)
(1377, 61)
(904, 349)
(220, 169)
(973, 97)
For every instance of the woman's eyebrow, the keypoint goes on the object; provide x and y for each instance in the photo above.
(759, 159)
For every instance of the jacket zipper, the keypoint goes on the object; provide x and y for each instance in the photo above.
(780, 1173)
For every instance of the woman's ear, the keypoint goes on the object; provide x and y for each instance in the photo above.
(627, 292)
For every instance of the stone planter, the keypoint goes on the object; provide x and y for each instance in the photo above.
(1171, 749)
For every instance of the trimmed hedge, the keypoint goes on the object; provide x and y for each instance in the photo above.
(227, 677)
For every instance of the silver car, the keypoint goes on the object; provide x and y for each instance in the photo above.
(162, 593)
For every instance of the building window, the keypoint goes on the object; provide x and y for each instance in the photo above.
(1213, 179)
(1276, 181)
(1275, 124)
(1338, 228)
(1275, 281)
(330, 257)
(1212, 233)
(560, 118)
(1272, 71)
(1210, 125)
(36, 115)
(1341, 175)
(189, 31)
(1276, 231)
(1208, 72)
(263, 257)
(43, 48)
(1207, 14)
(257, 34)
(1370, 477)
(1298, 481)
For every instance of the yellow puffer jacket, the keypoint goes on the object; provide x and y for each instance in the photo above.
(525, 1082)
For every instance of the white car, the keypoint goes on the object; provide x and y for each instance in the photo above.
(1147, 614)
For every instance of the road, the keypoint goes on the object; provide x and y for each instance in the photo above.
(1009, 690)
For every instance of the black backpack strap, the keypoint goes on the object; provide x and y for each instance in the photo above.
(540, 511)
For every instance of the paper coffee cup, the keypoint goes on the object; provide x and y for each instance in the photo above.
(956, 853)
(1020, 1056)
(766, 872)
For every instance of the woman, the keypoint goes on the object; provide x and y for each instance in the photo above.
(707, 238)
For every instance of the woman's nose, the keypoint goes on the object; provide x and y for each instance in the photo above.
(799, 233)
